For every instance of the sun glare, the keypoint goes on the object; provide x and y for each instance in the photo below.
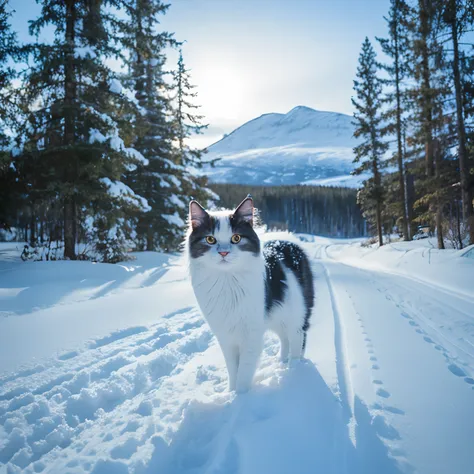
(222, 92)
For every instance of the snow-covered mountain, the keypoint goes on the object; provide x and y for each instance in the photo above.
(304, 146)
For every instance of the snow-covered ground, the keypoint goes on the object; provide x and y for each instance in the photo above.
(111, 369)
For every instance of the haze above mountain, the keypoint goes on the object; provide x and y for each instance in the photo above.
(304, 146)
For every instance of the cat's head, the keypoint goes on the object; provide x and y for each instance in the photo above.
(225, 239)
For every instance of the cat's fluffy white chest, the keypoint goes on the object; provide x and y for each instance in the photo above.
(232, 302)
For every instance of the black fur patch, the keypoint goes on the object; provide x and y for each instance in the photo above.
(251, 242)
(276, 253)
(197, 246)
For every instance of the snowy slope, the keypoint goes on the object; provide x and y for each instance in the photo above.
(304, 146)
(111, 369)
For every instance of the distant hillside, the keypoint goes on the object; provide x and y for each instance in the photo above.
(304, 146)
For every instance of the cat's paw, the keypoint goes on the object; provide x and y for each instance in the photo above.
(243, 388)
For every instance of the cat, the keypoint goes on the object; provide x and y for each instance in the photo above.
(244, 288)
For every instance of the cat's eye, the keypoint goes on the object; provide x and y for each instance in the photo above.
(235, 239)
(210, 240)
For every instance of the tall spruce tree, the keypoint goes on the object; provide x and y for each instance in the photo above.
(189, 123)
(396, 47)
(8, 51)
(368, 128)
(161, 129)
(70, 139)
(155, 128)
(458, 17)
(427, 108)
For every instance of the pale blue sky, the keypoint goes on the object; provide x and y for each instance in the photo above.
(250, 57)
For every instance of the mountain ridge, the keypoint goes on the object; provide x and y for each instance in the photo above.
(303, 146)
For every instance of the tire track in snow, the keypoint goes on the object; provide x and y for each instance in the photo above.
(362, 425)
(342, 367)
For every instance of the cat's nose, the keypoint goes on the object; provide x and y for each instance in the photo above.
(223, 253)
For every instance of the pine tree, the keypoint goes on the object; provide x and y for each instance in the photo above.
(396, 47)
(154, 128)
(428, 114)
(161, 122)
(368, 122)
(73, 104)
(188, 124)
(467, 63)
(458, 16)
(8, 50)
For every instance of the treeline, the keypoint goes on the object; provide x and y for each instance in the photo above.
(328, 211)
(91, 159)
(415, 114)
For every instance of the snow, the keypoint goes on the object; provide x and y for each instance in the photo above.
(115, 86)
(304, 146)
(419, 260)
(121, 190)
(116, 143)
(174, 200)
(174, 180)
(172, 165)
(136, 156)
(96, 136)
(174, 219)
(16, 151)
(111, 368)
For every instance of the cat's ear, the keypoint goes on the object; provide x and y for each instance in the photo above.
(197, 214)
(244, 210)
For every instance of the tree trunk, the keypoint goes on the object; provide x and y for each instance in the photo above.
(467, 211)
(439, 206)
(69, 129)
(32, 227)
(401, 171)
(378, 198)
(149, 239)
(69, 240)
(458, 225)
(378, 211)
(426, 79)
(439, 227)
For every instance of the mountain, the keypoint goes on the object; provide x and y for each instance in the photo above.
(304, 146)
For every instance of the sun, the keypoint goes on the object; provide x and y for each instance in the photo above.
(222, 91)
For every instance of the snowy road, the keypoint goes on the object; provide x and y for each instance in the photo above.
(132, 380)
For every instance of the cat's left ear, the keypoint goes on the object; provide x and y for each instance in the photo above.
(244, 210)
(197, 214)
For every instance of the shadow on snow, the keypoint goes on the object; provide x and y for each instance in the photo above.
(297, 426)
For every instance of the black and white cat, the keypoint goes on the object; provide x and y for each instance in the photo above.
(244, 289)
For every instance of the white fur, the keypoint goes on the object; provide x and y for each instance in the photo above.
(231, 296)
(287, 320)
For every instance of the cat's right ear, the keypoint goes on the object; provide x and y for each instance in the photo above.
(197, 214)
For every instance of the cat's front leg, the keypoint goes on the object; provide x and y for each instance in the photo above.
(231, 356)
(249, 355)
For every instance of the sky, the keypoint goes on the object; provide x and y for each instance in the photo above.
(251, 57)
